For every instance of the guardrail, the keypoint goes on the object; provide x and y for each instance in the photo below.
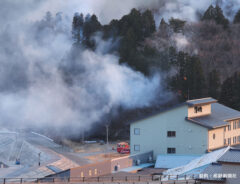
(162, 179)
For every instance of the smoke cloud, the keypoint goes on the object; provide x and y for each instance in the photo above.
(180, 40)
(33, 46)
(36, 53)
(107, 10)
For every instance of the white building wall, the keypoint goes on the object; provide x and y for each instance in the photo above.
(190, 138)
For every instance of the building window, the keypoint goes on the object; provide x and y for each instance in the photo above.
(171, 150)
(95, 171)
(136, 147)
(82, 175)
(136, 131)
(238, 123)
(197, 109)
(238, 138)
(225, 142)
(224, 129)
(90, 172)
(229, 127)
(234, 140)
(171, 133)
(229, 141)
(214, 136)
(234, 125)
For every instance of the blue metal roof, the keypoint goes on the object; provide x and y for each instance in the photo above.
(172, 161)
(232, 156)
(218, 116)
(135, 168)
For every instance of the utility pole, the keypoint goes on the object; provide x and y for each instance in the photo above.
(107, 127)
(83, 136)
(39, 158)
(107, 132)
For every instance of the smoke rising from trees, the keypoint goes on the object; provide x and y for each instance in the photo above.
(35, 45)
(33, 90)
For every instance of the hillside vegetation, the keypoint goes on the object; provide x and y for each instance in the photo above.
(195, 59)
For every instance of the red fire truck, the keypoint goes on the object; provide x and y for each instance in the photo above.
(123, 148)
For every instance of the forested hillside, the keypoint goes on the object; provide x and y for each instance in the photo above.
(195, 59)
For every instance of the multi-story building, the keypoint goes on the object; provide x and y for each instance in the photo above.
(193, 128)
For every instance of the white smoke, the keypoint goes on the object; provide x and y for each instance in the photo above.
(106, 10)
(230, 7)
(33, 91)
(180, 41)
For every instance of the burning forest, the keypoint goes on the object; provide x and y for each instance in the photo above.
(79, 65)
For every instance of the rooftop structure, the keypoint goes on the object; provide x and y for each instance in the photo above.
(191, 128)
(202, 101)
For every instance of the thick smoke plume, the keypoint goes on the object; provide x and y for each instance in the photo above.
(36, 55)
(33, 91)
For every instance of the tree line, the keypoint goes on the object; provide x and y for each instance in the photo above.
(187, 74)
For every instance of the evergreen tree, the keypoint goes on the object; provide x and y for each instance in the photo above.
(190, 81)
(143, 25)
(164, 29)
(230, 92)
(90, 26)
(77, 26)
(133, 29)
(132, 21)
(215, 14)
(111, 30)
(172, 52)
(148, 23)
(226, 96)
(128, 46)
(177, 24)
(237, 18)
(210, 13)
(237, 91)
(213, 84)
(163, 24)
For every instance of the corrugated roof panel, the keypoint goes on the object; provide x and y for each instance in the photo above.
(232, 155)
(172, 161)
(204, 160)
